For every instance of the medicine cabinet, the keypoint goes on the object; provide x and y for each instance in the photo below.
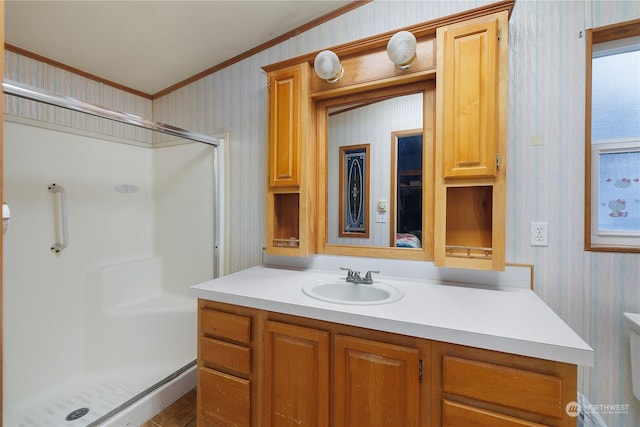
(460, 78)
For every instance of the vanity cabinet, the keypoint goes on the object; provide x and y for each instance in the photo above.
(309, 372)
(291, 169)
(304, 377)
(470, 185)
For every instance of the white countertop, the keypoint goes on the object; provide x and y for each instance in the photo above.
(511, 320)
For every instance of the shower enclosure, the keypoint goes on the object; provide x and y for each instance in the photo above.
(113, 218)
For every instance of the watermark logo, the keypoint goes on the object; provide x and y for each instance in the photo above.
(573, 409)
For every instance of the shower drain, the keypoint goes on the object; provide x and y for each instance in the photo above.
(78, 413)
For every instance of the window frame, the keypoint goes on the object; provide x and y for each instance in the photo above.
(594, 241)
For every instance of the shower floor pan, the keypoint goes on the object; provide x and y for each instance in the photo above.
(100, 393)
(137, 336)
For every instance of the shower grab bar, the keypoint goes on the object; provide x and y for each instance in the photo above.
(58, 247)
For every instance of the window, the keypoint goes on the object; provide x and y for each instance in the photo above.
(612, 208)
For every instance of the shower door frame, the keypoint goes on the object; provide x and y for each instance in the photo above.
(1, 199)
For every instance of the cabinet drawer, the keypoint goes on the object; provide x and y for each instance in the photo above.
(459, 415)
(227, 326)
(515, 388)
(223, 400)
(224, 354)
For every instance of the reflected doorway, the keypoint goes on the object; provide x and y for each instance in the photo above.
(406, 181)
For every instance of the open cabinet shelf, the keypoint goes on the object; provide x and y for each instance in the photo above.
(286, 220)
(469, 222)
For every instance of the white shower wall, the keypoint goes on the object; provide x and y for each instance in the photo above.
(46, 295)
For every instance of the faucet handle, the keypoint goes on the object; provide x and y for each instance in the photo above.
(350, 273)
(367, 278)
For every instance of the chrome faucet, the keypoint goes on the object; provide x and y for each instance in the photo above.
(354, 276)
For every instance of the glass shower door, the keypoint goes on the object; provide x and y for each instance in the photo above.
(92, 326)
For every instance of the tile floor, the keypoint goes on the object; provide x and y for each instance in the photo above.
(181, 413)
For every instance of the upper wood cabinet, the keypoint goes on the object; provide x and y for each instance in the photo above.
(291, 190)
(468, 62)
(461, 71)
(288, 93)
(470, 183)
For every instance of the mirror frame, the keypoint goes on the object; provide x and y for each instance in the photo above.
(428, 88)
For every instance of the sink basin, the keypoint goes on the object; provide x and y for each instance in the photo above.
(342, 292)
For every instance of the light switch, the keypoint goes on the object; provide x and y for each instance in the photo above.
(381, 217)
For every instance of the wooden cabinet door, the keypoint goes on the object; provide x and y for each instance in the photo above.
(296, 376)
(286, 113)
(468, 72)
(375, 384)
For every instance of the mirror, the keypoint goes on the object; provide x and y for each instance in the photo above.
(391, 131)
(370, 124)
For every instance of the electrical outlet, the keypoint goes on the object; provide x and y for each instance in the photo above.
(539, 234)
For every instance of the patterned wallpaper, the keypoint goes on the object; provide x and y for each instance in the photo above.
(589, 290)
(41, 75)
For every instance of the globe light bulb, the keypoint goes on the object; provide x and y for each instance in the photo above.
(327, 66)
(401, 49)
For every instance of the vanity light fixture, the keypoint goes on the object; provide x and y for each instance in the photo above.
(402, 49)
(327, 66)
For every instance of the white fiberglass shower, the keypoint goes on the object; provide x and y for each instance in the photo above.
(111, 221)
